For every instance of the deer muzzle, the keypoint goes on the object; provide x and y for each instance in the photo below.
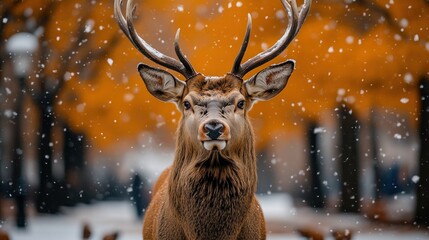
(214, 134)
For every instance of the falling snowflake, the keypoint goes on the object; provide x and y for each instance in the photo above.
(415, 179)
(397, 136)
(408, 78)
(110, 61)
(404, 100)
(350, 39)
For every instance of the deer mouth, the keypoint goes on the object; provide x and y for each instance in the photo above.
(211, 145)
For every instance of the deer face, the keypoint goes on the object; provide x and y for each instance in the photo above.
(214, 109)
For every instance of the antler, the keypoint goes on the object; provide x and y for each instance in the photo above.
(183, 66)
(295, 21)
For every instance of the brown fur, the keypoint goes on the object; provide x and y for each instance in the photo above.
(208, 194)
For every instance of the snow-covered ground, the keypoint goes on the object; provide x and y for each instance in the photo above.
(281, 214)
(103, 218)
(107, 217)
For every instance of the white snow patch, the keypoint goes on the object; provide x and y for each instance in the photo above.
(276, 206)
(319, 130)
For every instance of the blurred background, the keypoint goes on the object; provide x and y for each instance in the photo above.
(345, 145)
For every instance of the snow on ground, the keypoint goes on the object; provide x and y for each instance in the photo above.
(107, 217)
(280, 213)
(103, 218)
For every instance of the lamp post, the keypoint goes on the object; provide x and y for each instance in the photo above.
(20, 48)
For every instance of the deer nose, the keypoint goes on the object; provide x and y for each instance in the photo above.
(213, 129)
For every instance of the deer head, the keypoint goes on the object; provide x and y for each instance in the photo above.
(214, 109)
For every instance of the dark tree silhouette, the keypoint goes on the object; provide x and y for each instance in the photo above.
(82, 55)
(265, 172)
(316, 196)
(348, 160)
(422, 206)
(139, 194)
(6, 12)
(74, 155)
(19, 190)
(375, 160)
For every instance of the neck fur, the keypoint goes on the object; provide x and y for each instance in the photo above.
(212, 190)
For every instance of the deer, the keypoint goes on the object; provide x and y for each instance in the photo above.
(209, 190)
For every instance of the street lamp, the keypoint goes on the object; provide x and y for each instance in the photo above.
(20, 48)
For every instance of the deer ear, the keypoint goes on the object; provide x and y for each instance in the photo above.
(270, 81)
(161, 84)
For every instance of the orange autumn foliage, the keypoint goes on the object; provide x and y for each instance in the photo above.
(343, 52)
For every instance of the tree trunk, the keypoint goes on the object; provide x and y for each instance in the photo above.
(317, 198)
(375, 161)
(19, 192)
(422, 206)
(349, 162)
(2, 139)
(47, 201)
(74, 165)
(139, 196)
(265, 172)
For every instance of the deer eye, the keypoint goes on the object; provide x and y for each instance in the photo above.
(186, 105)
(240, 104)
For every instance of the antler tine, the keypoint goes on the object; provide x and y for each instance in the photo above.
(239, 58)
(305, 8)
(120, 19)
(188, 67)
(126, 24)
(295, 21)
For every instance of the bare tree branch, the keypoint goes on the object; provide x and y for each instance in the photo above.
(99, 53)
(6, 12)
(375, 8)
(45, 51)
(68, 55)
